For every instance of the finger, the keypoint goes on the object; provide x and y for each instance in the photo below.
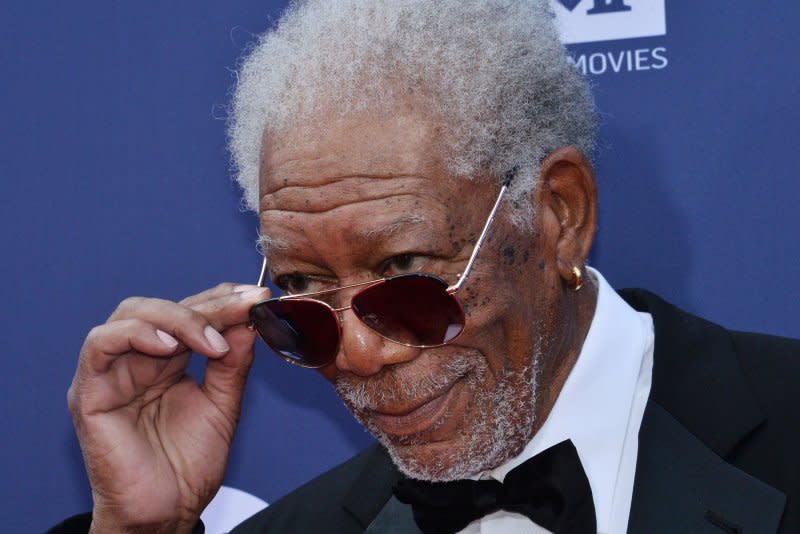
(186, 325)
(106, 343)
(145, 351)
(132, 379)
(221, 290)
(226, 377)
(231, 309)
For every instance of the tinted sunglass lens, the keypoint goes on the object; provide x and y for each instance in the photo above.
(414, 310)
(304, 332)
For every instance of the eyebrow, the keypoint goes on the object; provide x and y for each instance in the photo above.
(392, 228)
(266, 243)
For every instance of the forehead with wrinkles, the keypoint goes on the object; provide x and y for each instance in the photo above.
(360, 145)
(392, 161)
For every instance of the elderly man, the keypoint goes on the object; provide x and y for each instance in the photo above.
(427, 206)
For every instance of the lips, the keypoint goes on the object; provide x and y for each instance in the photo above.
(415, 419)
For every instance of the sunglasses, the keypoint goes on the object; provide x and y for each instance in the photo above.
(416, 310)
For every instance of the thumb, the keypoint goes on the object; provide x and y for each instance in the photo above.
(226, 377)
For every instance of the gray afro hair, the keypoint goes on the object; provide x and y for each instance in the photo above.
(493, 71)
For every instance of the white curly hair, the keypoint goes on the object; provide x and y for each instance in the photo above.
(494, 71)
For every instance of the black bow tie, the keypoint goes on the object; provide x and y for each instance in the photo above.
(551, 489)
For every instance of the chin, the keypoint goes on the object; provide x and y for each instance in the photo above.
(495, 426)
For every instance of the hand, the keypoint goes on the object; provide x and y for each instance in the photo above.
(155, 442)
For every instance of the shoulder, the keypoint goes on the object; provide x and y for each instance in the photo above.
(771, 363)
(331, 502)
(766, 357)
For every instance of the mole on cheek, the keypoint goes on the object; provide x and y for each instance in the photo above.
(509, 253)
(541, 265)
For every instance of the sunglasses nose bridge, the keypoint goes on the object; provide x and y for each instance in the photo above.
(341, 309)
(340, 298)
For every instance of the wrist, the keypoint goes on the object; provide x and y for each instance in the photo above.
(103, 523)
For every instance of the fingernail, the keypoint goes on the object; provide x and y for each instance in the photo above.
(244, 288)
(215, 339)
(167, 339)
(253, 293)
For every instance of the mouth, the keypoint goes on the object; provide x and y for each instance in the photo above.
(406, 421)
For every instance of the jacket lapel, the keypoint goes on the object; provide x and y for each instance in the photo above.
(682, 486)
(700, 408)
(394, 518)
(370, 498)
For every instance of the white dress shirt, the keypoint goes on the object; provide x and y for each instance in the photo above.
(600, 409)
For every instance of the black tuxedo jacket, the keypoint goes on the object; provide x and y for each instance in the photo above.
(718, 446)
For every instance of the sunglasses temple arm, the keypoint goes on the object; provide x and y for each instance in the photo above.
(262, 278)
(484, 232)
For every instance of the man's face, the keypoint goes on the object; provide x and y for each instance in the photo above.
(369, 196)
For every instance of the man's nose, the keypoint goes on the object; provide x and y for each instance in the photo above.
(364, 352)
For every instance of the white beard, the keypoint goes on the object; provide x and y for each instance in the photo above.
(500, 421)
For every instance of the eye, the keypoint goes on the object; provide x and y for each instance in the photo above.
(294, 283)
(403, 263)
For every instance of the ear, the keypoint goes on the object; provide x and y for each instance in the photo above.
(569, 194)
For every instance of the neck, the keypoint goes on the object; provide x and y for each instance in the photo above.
(576, 314)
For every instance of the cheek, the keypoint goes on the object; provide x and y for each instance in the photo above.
(496, 292)
(506, 318)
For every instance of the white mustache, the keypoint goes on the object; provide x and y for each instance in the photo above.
(399, 384)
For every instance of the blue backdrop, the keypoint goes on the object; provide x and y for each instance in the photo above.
(114, 181)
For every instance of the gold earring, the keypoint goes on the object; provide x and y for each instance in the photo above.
(578, 283)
